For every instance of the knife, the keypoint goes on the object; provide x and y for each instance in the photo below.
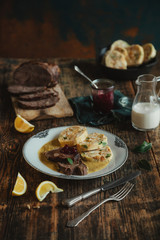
(70, 202)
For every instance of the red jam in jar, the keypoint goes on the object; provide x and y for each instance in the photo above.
(103, 96)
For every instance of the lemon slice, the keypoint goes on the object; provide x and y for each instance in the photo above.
(20, 186)
(46, 187)
(22, 125)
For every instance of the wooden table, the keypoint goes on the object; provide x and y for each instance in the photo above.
(136, 217)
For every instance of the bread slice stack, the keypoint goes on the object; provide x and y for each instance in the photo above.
(93, 147)
(122, 55)
(33, 85)
(73, 135)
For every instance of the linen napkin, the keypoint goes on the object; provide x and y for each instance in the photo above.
(83, 109)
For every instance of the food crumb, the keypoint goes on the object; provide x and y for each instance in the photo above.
(28, 206)
(34, 207)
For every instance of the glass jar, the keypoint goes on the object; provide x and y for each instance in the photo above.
(103, 96)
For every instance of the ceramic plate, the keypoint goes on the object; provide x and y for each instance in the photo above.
(33, 144)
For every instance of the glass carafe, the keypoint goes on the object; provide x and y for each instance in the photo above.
(145, 109)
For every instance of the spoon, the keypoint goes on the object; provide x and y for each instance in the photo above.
(79, 71)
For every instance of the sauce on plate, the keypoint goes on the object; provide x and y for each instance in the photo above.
(92, 166)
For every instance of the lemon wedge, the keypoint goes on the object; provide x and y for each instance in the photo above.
(22, 125)
(20, 186)
(46, 187)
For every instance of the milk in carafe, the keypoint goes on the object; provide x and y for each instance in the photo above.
(145, 116)
(145, 109)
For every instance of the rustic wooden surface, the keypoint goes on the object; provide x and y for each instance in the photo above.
(136, 217)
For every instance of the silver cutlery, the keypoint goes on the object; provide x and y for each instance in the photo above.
(115, 197)
(80, 72)
(70, 202)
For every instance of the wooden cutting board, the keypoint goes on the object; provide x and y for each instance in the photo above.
(60, 110)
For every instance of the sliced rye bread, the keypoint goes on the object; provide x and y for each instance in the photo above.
(38, 95)
(36, 74)
(38, 104)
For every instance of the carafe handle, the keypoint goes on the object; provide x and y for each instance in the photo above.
(158, 79)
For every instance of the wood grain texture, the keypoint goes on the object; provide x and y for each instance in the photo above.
(136, 217)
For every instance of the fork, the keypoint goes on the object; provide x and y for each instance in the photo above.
(115, 197)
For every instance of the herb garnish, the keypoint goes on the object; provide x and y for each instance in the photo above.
(70, 160)
(144, 164)
(103, 143)
(108, 155)
(144, 147)
(85, 146)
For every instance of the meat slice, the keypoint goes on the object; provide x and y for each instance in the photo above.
(67, 169)
(74, 169)
(81, 169)
(38, 95)
(57, 156)
(68, 160)
(54, 71)
(61, 154)
(38, 104)
(18, 89)
(36, 74)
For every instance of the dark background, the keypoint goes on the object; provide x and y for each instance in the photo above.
(74, 28)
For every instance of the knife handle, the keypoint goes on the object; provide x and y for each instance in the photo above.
(70, 202)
